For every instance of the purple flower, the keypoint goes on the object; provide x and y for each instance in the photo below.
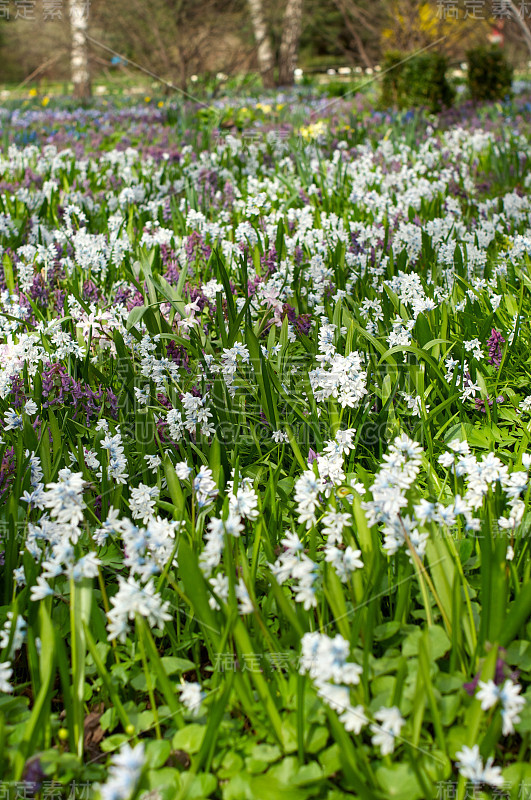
(499, 677)
(60, 389)
(178, 354)
(39, 292)
(91, 291)
(7, 470)
(195, 247)
(17, 391)
(495, 342)
(33, 776)
(480, 403)
(303, 323)
(298, 256)
(172, 273)
(122, 295)
(312, 456)
(268, 261)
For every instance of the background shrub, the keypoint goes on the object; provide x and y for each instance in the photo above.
(412, 81)
(489, 74)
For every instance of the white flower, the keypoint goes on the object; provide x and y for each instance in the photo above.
(65, 499)
(512, 703)
(384, 735)
(153, 462)
(334, 522)
(307, 490)
(117, 468)
(424, 511)
(30, 407)
(124, 773)
(354, 719)
(244, 601)
(325, 659)
(19, 576)
(337, 697)
(142, 502)
(204, 487)
(12, 420)
(182, 470)
(459, 447)
(488, 694)
(220, 585)
(474, 346)
(6, 671)
(18, 636)
(191, 696)
(211, 555)
(446, 460)
(233, 524)
(305, 594)
(85, 567)
(142, 394)
(245, 503)
(132, 599)
(470, 766)
(292, 543)
(344, 379)
(352, 559)
(40, 590)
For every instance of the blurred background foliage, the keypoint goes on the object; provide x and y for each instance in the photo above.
(179, 40)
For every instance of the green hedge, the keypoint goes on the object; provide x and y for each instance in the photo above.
(410, 81)
(489, 75)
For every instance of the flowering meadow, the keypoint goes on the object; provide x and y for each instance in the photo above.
(265, 397)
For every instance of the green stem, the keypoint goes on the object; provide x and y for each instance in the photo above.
(149, 682)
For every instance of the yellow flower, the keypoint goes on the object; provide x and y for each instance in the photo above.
(313, 131)
(280, 106)
(45, 100)
(33, 92)
(160, 103)
(147, 99)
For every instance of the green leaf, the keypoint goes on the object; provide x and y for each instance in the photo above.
(135, 315)
(439, 643)
(189, 738)
(173, 665)
(399, 782)
(40, 713)
(80, 606)
(519, 654)
(114, 742)
(157, 753)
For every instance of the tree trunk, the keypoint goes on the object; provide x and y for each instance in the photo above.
(521, 23)
(79, 48)
(289, 45)
(266, 61)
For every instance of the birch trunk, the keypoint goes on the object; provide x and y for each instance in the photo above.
(266, 61)
(79, 48)
(521, 23)
(289, 45)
